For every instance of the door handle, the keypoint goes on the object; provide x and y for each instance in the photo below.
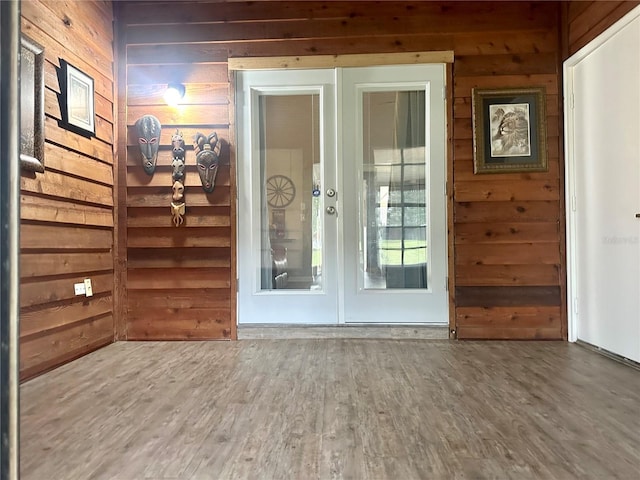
(637, 215)
(331, 210)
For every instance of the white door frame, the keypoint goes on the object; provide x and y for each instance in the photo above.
(570, 165)
(250, 296)
(336, 61)
(431, 79)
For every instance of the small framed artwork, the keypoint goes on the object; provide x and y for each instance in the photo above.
(31, 105)
(78, 112)
(509, 130)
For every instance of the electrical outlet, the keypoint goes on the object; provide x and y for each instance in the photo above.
(87, 287)
(78, 288)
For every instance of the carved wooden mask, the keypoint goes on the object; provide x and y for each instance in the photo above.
(148, 128)
(177, 163)
(207, 159)
(178, 191)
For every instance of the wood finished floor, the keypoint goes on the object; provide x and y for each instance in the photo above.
(333, 408)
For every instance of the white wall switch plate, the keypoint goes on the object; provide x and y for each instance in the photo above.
(78, 288)
(87, 287)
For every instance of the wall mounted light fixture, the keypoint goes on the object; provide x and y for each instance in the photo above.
(175, 93)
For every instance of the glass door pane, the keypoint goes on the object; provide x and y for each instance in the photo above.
(292, 220)
(393, 210)
(394, 217)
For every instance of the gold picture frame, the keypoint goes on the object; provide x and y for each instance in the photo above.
(509, 130)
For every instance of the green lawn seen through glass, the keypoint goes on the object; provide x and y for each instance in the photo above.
(391, 253)
(415, 252)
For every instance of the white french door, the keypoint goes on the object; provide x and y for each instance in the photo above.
(342, 207)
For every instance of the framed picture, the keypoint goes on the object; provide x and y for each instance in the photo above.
(77, 100)
(31, 105)
(509, 130)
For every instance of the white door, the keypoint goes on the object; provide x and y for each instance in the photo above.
(604, 192)
(341, 209)
(287, 245)
(394, 202)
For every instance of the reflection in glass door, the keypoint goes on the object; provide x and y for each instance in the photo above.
(291, 222)
(394, 223)
(287, 244)
(394, 214)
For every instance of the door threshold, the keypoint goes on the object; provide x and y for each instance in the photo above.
(288, 331)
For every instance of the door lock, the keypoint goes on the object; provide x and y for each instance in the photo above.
(331, 210)
(331, 192)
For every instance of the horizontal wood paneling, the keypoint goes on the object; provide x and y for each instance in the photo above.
(502, 322)
(39, 353)
(501, 254)
(44, 290)
(169, 324)
(67, 211)
(504, 333)
(180, 298)
(188, 133)
(506, 226)
(514, 233)
(37, 321)
(179, 280)
(161, 197)
(46, 209)
(587, 20)
(467, 275)
(186, 258)
(44, 264)
(542, 317)
(507, 212)
(198, 217)
(489, 296)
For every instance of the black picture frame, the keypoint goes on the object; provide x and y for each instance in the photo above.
(31, 105)
(77, 100)
(509, 130)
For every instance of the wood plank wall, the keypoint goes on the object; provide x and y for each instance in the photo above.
(67, 211)
(587, 20)
(508, 260)
(178, 279)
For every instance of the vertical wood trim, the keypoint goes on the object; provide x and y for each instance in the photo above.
(450, 212)
(120, 182)
(233, 313)
(563, 52)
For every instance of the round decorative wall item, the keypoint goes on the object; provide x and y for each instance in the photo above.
(280, 191)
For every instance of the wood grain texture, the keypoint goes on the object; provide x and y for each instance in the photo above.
(495, 45)
(45, 209)
(503, 254)
(50, 290)
(514, 233)
(512, 296)
(368, 409)
(335, 61)
(67, 211)
(587, 20)
(178, 280)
